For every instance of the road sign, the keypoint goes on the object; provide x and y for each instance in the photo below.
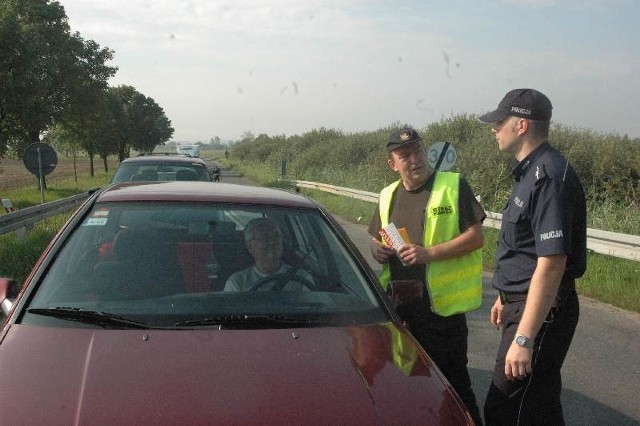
(40, 159)
(441, 156)
(40, 156)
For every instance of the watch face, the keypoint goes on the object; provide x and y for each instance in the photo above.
(522, 341)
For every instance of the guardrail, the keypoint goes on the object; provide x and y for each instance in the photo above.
(623, 246)
(18, 220)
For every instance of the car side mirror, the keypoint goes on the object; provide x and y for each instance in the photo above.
(8, 292)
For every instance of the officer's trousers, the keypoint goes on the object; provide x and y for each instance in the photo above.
(534, 400)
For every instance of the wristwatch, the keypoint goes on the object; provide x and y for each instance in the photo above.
(522, 341)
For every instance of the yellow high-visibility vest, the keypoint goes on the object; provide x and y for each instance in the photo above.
(454, 285)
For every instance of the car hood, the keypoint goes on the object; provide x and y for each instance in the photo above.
(351, 375)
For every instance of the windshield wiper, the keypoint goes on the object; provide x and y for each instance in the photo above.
(249, 321)
(86, 316)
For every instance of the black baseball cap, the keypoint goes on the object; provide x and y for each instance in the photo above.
(402, 137)
(525, 103)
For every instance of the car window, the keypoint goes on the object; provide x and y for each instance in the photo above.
(166, 171)
(171, 263)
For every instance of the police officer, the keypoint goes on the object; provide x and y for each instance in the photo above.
(541, 251)
(443, 221)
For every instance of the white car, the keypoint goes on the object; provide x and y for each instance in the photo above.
(189, 150)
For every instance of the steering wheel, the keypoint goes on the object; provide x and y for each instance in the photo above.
(284, 279)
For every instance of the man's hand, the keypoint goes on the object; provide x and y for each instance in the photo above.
(517, 363)
(413, 254)
(380, 252)
(496, 314)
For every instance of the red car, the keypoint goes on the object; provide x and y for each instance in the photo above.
(129, 318)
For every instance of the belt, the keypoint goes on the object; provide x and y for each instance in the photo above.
(506, 297)
(567, 287)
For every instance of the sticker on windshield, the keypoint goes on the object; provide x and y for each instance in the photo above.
(96, 221)
(98, 218)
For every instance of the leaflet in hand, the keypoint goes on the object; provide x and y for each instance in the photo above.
(394, 237)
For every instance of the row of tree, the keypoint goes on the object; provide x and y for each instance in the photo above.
(54, 84)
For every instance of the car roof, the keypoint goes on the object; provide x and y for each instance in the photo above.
(163, 159)
(195, 191)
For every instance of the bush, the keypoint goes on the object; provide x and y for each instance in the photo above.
(608, 164)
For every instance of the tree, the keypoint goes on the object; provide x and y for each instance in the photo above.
(140, 123)
(45, 72)
(64, 141)
(151, 125)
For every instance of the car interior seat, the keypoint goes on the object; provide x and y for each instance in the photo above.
(185, 174)
(150, 174)
(143, 264)
(229, 250)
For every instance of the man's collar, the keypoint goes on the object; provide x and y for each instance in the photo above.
(426, 184)
(520, 169)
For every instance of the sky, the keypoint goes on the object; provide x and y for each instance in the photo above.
(221, 68)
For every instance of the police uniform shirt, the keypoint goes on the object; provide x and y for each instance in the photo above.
(545, 215)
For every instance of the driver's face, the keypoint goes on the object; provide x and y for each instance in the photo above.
(266, 251)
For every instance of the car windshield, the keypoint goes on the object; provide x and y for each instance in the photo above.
(198, 264)
(161, 171)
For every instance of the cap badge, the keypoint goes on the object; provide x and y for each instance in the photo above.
(405, 136)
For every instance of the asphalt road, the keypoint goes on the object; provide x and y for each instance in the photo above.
(601, 375)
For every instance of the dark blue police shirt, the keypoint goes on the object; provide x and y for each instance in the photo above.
(545, 215)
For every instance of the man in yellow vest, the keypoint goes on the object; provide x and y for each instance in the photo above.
(443, 223)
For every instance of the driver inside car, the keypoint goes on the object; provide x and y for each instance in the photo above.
(264, 241)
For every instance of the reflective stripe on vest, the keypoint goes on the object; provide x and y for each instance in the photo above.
(455, 285)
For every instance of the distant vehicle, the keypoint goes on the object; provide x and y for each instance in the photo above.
(189, 150)
(125, 320)
(152, 168)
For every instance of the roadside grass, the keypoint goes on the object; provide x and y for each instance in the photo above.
(608, 279)
(27, 196)
(613, 281)
(17, 256)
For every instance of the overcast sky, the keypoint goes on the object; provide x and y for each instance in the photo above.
(225, 67)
